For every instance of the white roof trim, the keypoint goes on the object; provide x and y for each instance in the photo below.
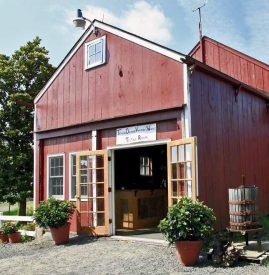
(128, 36)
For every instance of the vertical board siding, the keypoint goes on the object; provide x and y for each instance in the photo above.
(233, 141)
(236, 64)
(134, 80)
(64, 145)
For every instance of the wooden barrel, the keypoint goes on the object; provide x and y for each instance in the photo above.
(243, 207)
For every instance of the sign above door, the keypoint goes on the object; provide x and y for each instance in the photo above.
(134, 134)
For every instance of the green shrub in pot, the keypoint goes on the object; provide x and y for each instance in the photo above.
(9, 228)
(187, 222)
(55, 214)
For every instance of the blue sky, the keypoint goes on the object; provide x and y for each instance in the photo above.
(241, 24)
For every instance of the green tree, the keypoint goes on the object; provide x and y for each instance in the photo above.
(22, 76)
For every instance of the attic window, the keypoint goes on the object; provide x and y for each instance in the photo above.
(95, 52)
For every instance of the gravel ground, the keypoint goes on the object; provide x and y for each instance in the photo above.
(104, 256)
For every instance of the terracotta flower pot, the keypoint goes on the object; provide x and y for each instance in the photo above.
(14, 237)
(3, 238)
(188, 252)
(60, 235)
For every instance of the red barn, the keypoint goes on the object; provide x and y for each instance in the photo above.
(125, 127)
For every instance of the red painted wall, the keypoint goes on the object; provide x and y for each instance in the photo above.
(233, 63)
(150, 82)
(170, 129)
(233, 140)
(64, 145)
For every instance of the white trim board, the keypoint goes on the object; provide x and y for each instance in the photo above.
(123, 34)
(35, 160)
(142, 144)
(34, 191)
(186, 129)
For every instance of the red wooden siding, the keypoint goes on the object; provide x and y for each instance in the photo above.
(233, 63)
(150, 82)
(64, 145)
(82, 142)
(233, 140)
(61, 145)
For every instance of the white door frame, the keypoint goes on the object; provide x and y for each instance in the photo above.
(111, 174)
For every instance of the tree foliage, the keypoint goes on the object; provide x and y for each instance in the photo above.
(22, 76)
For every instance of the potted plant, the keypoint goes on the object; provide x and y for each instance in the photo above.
(11, 230)
(55, 214)
(3, 236)
(187, 223)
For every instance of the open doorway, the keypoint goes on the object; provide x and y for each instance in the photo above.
(140, 189)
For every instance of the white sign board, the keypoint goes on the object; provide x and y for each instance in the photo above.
(133, 134)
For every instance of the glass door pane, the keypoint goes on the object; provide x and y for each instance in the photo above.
(92, 189)
(181, 169)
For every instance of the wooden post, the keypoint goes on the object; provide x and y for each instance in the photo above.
(1, 223)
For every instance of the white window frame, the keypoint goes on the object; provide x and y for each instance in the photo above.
(70, 177)
(59, 197)
(86, 56)
(145, 166)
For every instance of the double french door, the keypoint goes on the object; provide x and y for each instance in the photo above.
(93, 188)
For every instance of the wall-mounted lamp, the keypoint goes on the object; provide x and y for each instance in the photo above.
(80, 20)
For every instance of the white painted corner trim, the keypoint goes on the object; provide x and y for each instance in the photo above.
(186, 129)
(128, 36)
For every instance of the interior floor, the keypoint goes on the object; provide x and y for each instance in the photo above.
(145, 233)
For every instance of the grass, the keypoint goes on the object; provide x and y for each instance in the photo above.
(15, 211)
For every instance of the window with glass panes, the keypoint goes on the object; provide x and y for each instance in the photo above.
(145, 166)
(96, 52)
(56, 176)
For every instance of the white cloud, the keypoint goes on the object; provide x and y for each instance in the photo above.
(140, 18)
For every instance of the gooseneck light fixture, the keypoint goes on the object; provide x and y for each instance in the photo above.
(80, 20)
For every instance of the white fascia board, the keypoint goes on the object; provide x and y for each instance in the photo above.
(142, 42)
(128, 36)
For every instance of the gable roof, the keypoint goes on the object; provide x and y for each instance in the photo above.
(189, 60)
(118, 32)
(257, 62)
